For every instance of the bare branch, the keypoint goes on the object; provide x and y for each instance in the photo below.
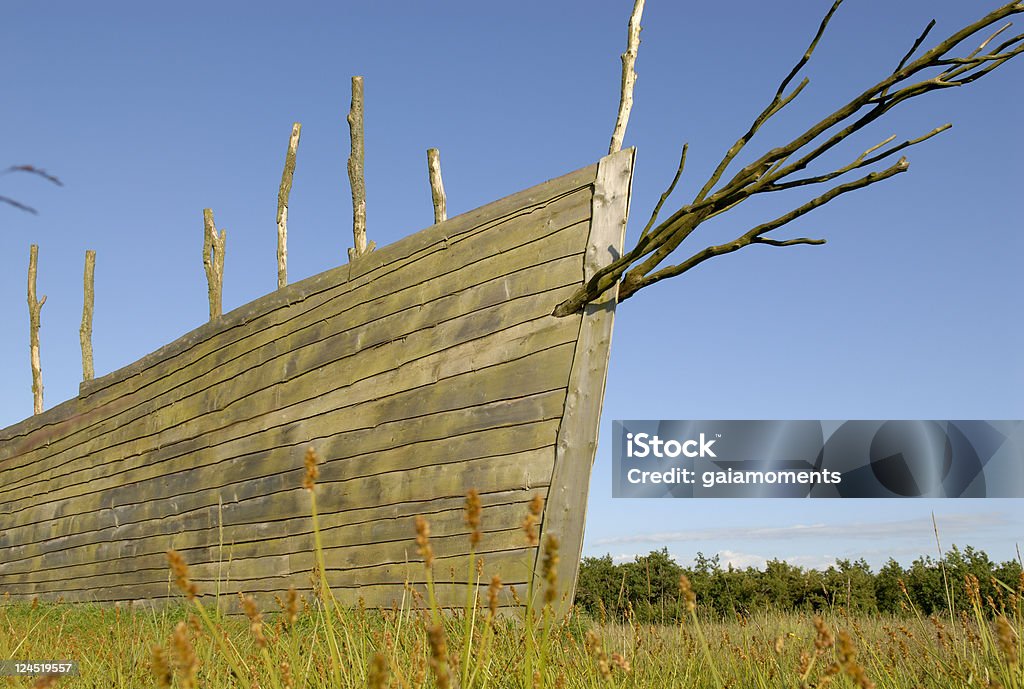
(283, 192)
(778, 102)
(437, 194)
(775, 169)
(635, 280)
(213, 262)
(35, 307)
(861, 161)
(628, 78)
(668, 192)
(355, 173)
(88, 302)
(787, 242)
(917, 44)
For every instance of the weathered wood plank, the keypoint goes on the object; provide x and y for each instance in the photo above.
(249, 514)
(535, 373)
(412, 486)
(266, 344)
(503, 413)
(457, 336)
(565, 514)
(398, 562)
(391, 257)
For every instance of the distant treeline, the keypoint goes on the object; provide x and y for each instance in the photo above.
(648, 588)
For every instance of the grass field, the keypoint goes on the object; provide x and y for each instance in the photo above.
(317, 643)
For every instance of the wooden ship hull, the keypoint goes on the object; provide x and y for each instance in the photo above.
(418, 371)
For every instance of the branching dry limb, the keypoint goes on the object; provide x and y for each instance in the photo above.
(777, 168)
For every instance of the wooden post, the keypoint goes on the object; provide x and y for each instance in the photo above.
(628, 78)
(437, 186)
(282, 206)
(213, 261)
(85, 332)
(34, 308)
(355, 172)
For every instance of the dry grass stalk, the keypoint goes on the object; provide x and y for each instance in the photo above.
(255, 619)
(160, 668)
(847, 654)
(439, 656)
(472, 516)
(180, 570)
(378, 676)
(549, 569)
(423, 546)
(1007, 640)
(492, 595)
(532, 519)
(312, 472)
(187, 662)
(686, 591)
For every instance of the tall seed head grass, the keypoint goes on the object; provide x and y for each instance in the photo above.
(187, 662)
(686, 591)
(255, 619)
(549, 569)
(377, 677)
(312, 472)
(439, 656)
(492, 595)
(1007, 639)
(847, 653)
(160, 667)
(180, 570)
(423, 546)
(473, 512)
(532, 519)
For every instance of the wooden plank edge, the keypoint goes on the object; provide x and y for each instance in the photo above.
(576, 445)
(435, 234)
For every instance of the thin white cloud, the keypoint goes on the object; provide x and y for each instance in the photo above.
(951, 527)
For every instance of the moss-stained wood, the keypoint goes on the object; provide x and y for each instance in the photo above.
(389, 523)
(310, 324)
(276, 405)
(418, 371)
(247, 514)
(489, 474)
(511, 381)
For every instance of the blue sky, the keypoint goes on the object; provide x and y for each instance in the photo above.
(912, 310)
